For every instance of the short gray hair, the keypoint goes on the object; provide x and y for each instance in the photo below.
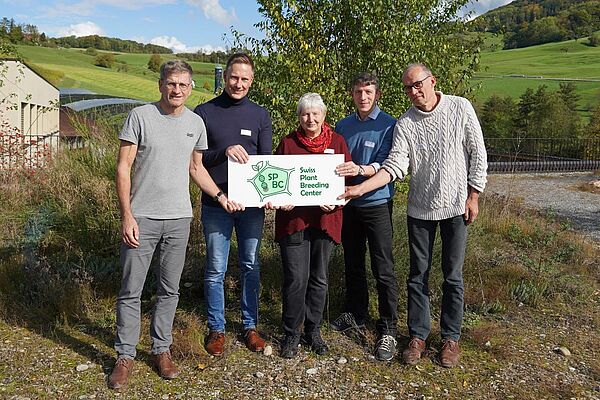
(421, 66)
(310, 100)
(173, 66)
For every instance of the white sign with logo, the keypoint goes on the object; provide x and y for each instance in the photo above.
(301, 180)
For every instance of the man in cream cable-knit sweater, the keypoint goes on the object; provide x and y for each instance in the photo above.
(441, 141)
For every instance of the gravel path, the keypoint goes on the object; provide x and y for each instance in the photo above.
(557, 193)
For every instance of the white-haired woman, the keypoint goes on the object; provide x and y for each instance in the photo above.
(307, 235)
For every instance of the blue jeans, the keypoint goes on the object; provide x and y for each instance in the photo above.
(218, 226)
(421, 236)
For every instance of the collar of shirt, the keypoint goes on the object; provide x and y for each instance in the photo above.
(372, 115)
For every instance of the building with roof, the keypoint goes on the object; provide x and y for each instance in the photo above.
(80, 111)
(29, 114)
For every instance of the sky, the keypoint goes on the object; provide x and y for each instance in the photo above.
(181, 25)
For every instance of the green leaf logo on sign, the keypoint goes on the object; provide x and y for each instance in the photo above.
(270, 180)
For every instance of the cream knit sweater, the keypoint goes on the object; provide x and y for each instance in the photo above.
(445, 152)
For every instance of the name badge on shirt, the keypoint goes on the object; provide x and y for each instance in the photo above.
(368, 143)
(245, 132)
(329, 151)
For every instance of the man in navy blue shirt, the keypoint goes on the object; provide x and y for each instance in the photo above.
(368, 133)
(236, 128)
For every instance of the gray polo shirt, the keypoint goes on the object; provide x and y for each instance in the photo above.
(160, 183)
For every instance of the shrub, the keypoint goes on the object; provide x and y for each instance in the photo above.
(594, 40)
(90, 51)
(105, 60)
(154, 63)
(122, 66)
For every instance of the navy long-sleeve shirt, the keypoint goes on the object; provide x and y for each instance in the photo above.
(229, 122)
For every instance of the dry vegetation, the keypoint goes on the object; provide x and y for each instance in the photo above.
(532, 286)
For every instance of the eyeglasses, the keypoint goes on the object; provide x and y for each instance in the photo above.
(417, 85)
(182, 86)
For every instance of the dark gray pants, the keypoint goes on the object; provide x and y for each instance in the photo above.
(305, 257)
(171, 237)
(421, 236)
(372, 225)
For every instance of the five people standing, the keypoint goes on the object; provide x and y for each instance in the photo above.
(438, 139)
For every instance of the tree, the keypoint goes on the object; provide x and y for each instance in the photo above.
(106, 60)
(497, 117)
(594, 40)
(568, 94)
(155, 62)
(579, 23)
(593, 128)
(320, 45)
(546, 115)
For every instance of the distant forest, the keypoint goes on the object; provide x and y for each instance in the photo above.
(28, 34)
(528, 23)
(16, 33)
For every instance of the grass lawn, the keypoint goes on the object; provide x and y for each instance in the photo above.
(569, 59)
(137, 82)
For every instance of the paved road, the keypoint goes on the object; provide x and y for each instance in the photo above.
(555, 192)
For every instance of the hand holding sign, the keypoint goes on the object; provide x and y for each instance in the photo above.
(298, 180)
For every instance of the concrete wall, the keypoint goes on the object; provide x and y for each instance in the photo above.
(31, 103)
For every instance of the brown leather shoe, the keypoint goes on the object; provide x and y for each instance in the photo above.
(120, 373)
(450, 353)
(164, 364)
(412, 354)
(253, 340)
(215, 343)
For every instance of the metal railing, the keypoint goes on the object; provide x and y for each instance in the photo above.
(508, 155)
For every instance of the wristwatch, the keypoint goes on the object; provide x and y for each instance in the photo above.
(218, 196)
(361, 170)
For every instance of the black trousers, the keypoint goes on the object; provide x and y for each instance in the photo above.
(305, 256)
(372, 225)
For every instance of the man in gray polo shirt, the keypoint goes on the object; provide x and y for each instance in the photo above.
(162, 141)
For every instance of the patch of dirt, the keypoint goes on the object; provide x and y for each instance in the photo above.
(555, 193)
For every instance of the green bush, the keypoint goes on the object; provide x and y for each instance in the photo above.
(154, 63)
(90, 51)
(594, 40)
(122, 66)
(106, 60)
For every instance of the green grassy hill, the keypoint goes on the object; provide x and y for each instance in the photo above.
(74, 68)
(511, 72)
(503, 72)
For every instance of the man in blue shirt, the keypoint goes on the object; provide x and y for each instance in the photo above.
(236, 128)
(368, 133)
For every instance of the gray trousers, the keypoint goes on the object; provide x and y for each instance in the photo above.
(421, 236)
(170, 236)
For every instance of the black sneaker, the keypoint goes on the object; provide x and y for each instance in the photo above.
(346, 322)
(316, 343)
(385, 348)
(289, 346)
